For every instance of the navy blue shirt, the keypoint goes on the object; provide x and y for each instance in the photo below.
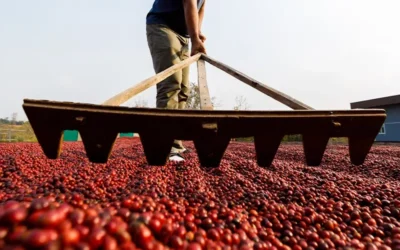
(171, 14)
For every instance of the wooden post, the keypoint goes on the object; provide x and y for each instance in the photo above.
(205, 101)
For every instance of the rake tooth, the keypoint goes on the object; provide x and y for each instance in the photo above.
(98, 143)
(49, 136)
(266, 148)
(359, 148)
(156, 147)
(314, 148)
(50, 140)
(211, 149)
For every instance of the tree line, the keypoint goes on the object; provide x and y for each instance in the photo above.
(6, 121)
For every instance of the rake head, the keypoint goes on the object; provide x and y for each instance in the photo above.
(210, 130)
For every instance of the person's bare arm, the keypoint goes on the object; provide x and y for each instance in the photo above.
(192, 23)
(201, 16)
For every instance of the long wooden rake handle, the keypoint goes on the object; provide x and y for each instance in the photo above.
(273, 93)
(138, 88)
(205, 100)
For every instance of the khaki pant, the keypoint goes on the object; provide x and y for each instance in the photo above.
(168, 48)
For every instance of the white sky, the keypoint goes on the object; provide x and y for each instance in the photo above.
(323, 53)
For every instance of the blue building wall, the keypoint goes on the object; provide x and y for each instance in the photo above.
(390, 131)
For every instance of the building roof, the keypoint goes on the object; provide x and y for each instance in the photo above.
(378, 102)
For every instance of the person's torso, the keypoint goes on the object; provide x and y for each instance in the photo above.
(171, 14)
(162, 6)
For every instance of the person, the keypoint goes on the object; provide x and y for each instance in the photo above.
(170, 25)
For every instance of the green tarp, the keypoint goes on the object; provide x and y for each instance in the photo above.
(70, 135)
(126, 134)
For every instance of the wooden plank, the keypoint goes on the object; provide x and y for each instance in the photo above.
(140, 87)
(205, 101)
(273, 93)
(44, 105)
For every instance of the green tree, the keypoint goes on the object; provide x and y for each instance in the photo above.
(241, 103)
(193, 101)
(139, 103)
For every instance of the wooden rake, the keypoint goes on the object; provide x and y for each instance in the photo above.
(210, 130)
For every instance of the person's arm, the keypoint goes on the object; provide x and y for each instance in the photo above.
(201, 16)
(192, 23)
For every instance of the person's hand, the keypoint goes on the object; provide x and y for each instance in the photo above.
(198, 47)
(202, 37)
